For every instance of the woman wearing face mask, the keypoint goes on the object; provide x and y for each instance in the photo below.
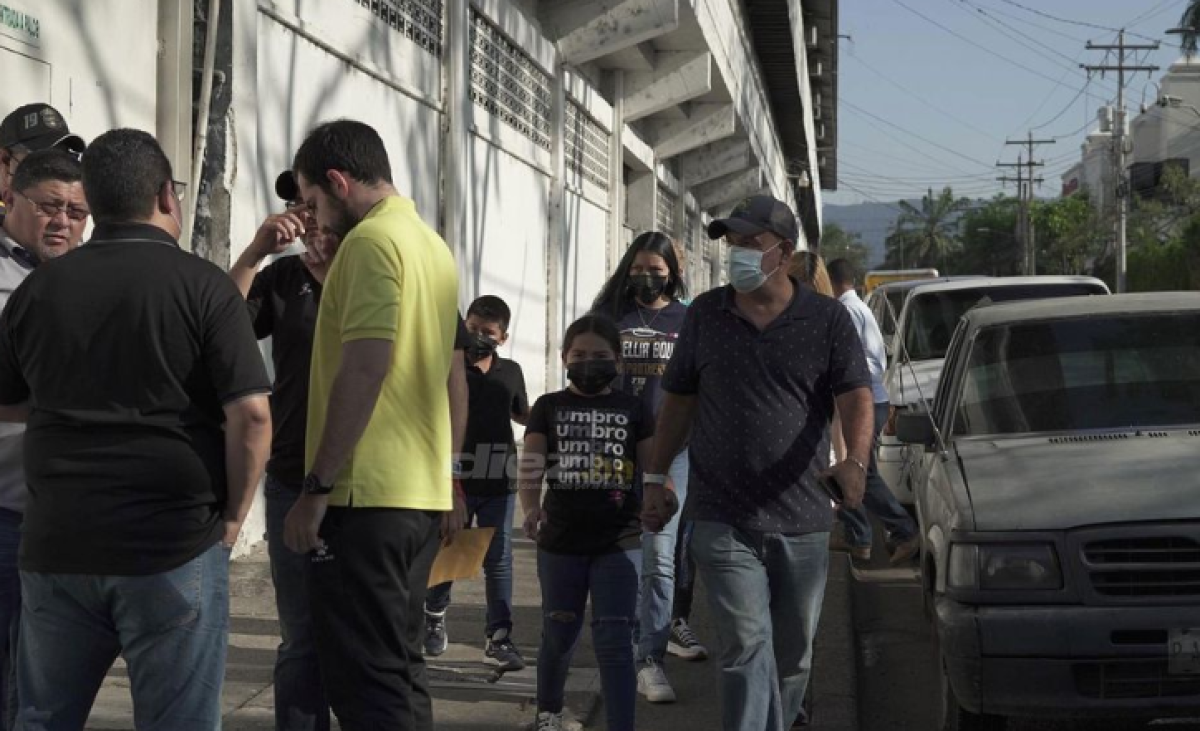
(585, 443)
(644, 298)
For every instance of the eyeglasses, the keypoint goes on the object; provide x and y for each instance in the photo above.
(179, 188)
(50, 210)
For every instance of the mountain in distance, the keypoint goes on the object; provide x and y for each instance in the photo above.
(872, 221)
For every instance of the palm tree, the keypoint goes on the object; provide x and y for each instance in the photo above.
(1189, 28)
(930, 233)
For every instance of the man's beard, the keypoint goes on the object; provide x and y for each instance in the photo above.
(343, 219)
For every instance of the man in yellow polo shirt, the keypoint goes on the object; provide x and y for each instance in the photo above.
(379, 437)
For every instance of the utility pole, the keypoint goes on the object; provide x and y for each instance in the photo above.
(1120, 146)
(1025, 181)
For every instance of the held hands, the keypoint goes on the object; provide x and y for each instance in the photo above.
(659, 505)
(278, 232)
(852, 478)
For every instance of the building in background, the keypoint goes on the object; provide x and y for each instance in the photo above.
(539, 135)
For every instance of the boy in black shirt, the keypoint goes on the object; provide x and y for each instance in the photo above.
(497, 398)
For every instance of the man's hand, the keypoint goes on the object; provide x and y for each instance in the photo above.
(533, 523)
(456, 518)
(233, 528)
(278, 232)
(301, 528)
(659, 505)
(853, 480)
(318, 255)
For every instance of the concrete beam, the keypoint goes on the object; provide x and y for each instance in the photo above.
(635, 58)
(678, 77)
(586, 30)
(705, 123)
(714, 160)
(729, 188)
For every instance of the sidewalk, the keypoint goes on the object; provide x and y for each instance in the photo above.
(465, 700)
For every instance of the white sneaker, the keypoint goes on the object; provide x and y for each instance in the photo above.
(683, 642)
(547, 721)
(652, 683)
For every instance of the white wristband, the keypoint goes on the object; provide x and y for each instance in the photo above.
(653, 479)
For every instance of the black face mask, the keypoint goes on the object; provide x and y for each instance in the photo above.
(592, 376)
(647, 288)
(481, 347)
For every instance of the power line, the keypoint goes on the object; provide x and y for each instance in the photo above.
(927, 141)
(973, 44)
(1065, 109)
(1033, 23)
(1007, 30)
(904, 143)
(1069, 21)
(1153, 12)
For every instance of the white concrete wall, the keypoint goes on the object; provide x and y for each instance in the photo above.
(95, 62)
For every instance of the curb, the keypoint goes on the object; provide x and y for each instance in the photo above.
(835, 655)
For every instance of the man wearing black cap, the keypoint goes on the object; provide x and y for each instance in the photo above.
(28, 129)
(754, 379)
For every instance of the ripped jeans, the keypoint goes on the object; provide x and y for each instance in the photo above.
(612, 581)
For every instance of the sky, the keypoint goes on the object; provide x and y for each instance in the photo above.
(930, 101)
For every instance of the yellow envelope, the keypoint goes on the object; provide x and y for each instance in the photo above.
(462, 559)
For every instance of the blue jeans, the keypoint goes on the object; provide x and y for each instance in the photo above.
(172, 629)
(657, 594)
(880, 500)
(765, 591)
(10, 615)
(488, 512)
(612, 581)
(300, 702)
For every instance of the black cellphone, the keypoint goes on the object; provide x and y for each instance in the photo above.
(831, 487)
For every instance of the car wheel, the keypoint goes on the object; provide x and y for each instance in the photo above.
(952, 716)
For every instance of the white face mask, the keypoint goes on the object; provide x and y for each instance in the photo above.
(745, 268)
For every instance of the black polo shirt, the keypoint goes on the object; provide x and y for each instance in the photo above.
(127, 349)
(764, 404)
(489, 445)
(283, 303)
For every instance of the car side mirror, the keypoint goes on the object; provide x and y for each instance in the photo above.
(916, 427)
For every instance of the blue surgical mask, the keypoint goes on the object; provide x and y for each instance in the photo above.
(745, 268)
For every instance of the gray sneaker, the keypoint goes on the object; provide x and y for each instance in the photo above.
(435, 633)
(501, 652)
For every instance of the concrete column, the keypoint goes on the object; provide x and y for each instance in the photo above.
(557, 236)
(616, 172)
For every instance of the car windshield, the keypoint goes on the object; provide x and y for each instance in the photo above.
(932, 316)
(1111, 372)
(895, 303)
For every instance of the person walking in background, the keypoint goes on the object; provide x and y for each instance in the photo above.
(809, 269)
(643, 298)
(756, 372)
(586, 443)
(47, 222)
(879, 499)
(142, 455)
(497, 398)
(379, 436)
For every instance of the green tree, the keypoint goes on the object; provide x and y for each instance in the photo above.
(838, 243)
(989, 240)
(926, 236)
(1190, 20)
(1069, 235)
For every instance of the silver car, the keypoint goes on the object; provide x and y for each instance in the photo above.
(930, 314)
(1058, 495)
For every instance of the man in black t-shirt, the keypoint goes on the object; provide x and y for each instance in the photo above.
(148, 428)
(283, 299)
(497, 398)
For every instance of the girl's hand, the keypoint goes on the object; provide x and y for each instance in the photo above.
(533, 523)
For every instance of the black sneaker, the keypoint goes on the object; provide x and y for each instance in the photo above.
(435, 633)
(501, 652)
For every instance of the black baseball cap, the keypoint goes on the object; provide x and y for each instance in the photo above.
(757, 214)
(38, 127)
(286, 187)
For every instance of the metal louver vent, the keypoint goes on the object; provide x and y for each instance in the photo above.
(419, 20)
(507, 83)
(665, 217)
(587, 146)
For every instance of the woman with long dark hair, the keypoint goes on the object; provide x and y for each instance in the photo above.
(645, 298)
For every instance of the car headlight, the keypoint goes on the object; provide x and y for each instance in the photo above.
(1004, 567)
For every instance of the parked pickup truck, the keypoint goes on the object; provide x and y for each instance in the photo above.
(1058, 494)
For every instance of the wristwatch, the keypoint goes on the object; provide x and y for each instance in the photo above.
(313, 486)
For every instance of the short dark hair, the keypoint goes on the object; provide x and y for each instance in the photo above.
(493, 309)
(123, 172)
(352, 147)
(842, 272)
(52, 164)
(597, 324)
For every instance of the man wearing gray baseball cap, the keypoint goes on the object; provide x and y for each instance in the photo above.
(756, 373)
